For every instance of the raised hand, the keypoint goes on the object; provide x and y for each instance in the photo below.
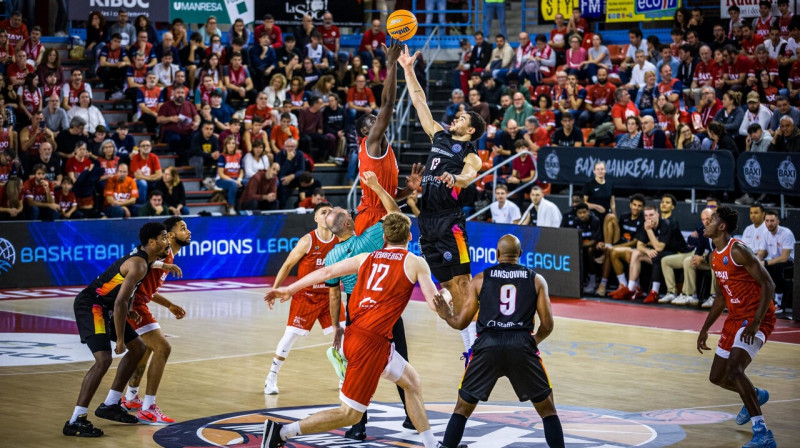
(414, 180)
(393, 51)
(370, 179)
(405, 59)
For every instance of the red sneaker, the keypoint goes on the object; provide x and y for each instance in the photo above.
(652, 297)
(637, 293)
(154, 416)
(619, 293)
(132, 405)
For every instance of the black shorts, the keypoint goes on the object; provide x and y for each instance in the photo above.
(96, 324)
(444, 243)
(511, 354)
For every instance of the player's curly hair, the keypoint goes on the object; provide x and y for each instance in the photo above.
(729, 217)
(150, 231)
(478, 123)
(396, 228)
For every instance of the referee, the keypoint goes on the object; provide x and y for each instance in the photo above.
(506, 297)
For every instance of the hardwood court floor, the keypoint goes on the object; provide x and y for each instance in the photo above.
(222, 350)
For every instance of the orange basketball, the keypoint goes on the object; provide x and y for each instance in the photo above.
(401, 25)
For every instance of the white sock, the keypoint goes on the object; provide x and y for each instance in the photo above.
(465, 339)
(290, 430)
(473, 332)
(79, 410)
(427, 439)
(622, 279)
(113, 397)
(149, 400)
(656, 286)
(631, 285)
(604, 281)
(276, 366)
(132, 393)
(758, 419)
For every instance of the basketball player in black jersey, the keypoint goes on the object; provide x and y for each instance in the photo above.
(506, 297)
(100, 313)
(453, 163)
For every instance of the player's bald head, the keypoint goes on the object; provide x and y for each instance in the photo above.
(509, 247)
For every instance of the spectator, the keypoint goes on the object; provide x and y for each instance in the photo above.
(166, 70)
(30, 98)
(173, 192)
(750, 41)
(55, 118)
(331, 36)
(316, 197)
(233, 128)
(687, 68)
(326, 85)
(456, 104)
(312, 139)
(167, 47)
(535, 136)
(145, 168)
(686, 139)
(319, 55)
(67, 203)
(212, 67)
(281, 133)
(108, 160)
(520, 111)
(90, 114)
(731, 115)
(274, 31)
(667, 59)
(260, 193)
(545, 114)
(599, 99)
(481, 53)
(95, 32)
(17, 31)
(221, 113)
(703, 74)
(31, 137)
(20, 69)
(691, 259)
(502, 56)
(124, 142)
(721, 39)
(192, 57)
(309, 73)
(126, 31)
(622, 109)
(256, 160)
(202, 94)
(767, 90)
(504, 211)
(148, 101)
(636, 43)
(276, 91)
(787, 137)
(210, 30)
(112, 66)
(239, 30)
(360, 99)
(776, 252)
(756, 113)
(719, 139)
(757, 140)
(264, 61)
(6, 52)
(303, 31)
(306, 184)
(782, 108)
(639, 68)
(145, 48)
(39, 194)
(504, 141)
(523, 169)
(95, 143)
(238, 83)
(763, 62)
(333, 118)
(545, 56)
(70, 92)
(289, 57)
(230, 173)
(542, 212)
(573, 97)
(120, 194)
(154, 206)
(178, 119)
(646, 95)
(256, 133)
(204, 149)
(136, 74)
(51, 64)
(567, 134)
(693, 41)
(292, 164)
(66, 141)
(633, 137)
(84, 176)
(735, 71)
(178, 30)
(653, 137)
(707, 109)
(52, 165)
(370, 46)
(598, 57)
(8, 137)
(576, 57)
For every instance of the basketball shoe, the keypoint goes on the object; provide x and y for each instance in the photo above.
(744, 415)
(132, 405)
(271, 438)
(338, 362)
(154, 416)
(81, 428)
(762, 438)
(115, 412)
(271, 384)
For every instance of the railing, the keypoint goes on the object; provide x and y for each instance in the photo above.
(496, 168)
(352, 195)
(421, 14)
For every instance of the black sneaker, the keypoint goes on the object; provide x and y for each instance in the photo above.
(357, 432)
(81, 428)
(116, 413)
(272, 434)
(408, 425)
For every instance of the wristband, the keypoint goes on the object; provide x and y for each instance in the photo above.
(157, 265)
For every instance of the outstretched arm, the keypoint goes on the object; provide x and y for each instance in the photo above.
(370, 180)
(294, 257)
(413, 182)
(417, 95)
(347, 266)
(388, 99)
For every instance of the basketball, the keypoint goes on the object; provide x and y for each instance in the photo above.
(401, 25)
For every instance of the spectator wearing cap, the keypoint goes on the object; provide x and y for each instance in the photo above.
(757, 139)
(66, 141)
(783, 108)
(755, 113)
(787, 137)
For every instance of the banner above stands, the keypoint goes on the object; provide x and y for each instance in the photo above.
(769, 172)
(649, 169)
(291, 12)
(750, 8)
(154, 9)
(226, 11)
(640, 10)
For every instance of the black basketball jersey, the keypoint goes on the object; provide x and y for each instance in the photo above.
(507, 299)
(447, 155)
(629, 227)
(106, 286)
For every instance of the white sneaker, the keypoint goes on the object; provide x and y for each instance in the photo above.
(271, 385)
(668, 298)
(589, 288)
(681, 300)
(708, 303)
(693, 301)
(117, 95)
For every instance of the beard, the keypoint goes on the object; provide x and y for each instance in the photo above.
(183, 243)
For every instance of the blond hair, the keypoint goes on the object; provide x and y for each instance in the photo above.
(176, 179)
(396, 228)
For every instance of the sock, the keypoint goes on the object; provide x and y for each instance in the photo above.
(778, 298)
(149, 400)
(276, 366)
(79, 410)
(473, 332)
(631, 285)
(604, 281)
(427, 439)
(465, 339)
(656, 286)
(455, 430)
(113, 397)
(758, 419)
(290, 430)
(592, 279)
(622, 279)
(132, 393)
(363, 421)
(553, 434)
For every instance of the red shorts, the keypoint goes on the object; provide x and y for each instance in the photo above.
(369, 358)
(148, 322)
(368, 218)
(731, 328)
(306, 309)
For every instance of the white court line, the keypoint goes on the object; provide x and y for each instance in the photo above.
(186, 361)
(740, 404)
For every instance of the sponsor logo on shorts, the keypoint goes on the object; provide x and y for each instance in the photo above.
(507, 425)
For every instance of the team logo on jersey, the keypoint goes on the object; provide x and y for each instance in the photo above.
(711, 171)
(787, 174)
(725, 260)
(8, 256)
(447, 256)
(499, 425)
(457, 148)
(552, 165)
(752, 172)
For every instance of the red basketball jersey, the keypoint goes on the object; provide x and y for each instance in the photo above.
(741, 291)
(381, 293)
(385, 168)
(152, 281)
(315, 259)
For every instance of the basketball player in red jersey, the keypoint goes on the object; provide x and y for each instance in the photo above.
(146, 326)
(310, 304)
(747, 290)
(386, 279)
(375, 152)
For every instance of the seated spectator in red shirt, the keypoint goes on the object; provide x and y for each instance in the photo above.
(84, 175)
(599, 99)
(544, 113)
(39, 196)
(178, 119)
(316, 197)
(33, 46)
(762, 61)
(16, 72)
(145, 168)
(238, 82)
(280, 133)
(703, 73)
(120, 194)
(535, 135)
(274, 31)
(67, 203)
(230, 172)
(11, 198)
(750, 40)
(261, 192)
(259, 109)
(558, 36)
(623, 108)
(108, 160)
(17, 31)
(254, 134)
(577, 23)
(522, 168)
(360, 99)
(737, 67)
(370, 46)
(6, 49)
(706, 110)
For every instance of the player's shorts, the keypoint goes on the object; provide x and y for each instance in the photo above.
(148, 322)
(370, 357)
(367, 218)
(306, 309)
(732, 337)
(96, 324)
(444, 243)
(511, 354)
